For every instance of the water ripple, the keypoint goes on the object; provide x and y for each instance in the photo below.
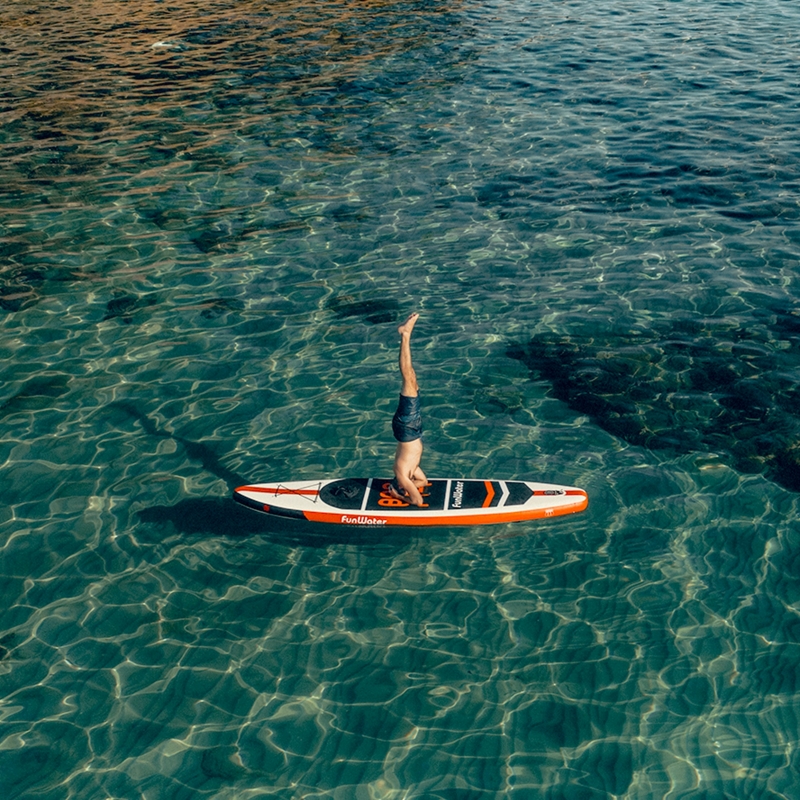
(214, 215)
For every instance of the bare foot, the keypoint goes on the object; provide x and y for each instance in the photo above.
(408, 326)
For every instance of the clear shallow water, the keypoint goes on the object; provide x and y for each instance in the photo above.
(213, 216)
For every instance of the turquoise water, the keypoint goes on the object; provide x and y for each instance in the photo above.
(212, 218)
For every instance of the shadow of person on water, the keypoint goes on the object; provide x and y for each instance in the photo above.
(222, 516)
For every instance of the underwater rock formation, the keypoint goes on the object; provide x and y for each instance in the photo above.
(18, 285)
(374, 311)
(685, 390)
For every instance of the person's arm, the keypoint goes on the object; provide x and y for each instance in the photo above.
(413, 493)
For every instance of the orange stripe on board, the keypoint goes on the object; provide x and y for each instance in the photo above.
(450, 519)
(489, 494)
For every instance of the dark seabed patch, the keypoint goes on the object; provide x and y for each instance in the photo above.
(125, 306)
(375, 312)
(39, 392)
(685, 390)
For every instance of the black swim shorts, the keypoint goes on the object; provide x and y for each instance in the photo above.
(407, 420)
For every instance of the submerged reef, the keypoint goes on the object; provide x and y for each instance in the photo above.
(374, 311)
(686, 388)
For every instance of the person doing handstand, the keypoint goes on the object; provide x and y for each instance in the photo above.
(409, 478)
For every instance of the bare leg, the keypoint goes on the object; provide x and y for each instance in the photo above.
(410, 387)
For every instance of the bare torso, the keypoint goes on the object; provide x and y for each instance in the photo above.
(408, 473)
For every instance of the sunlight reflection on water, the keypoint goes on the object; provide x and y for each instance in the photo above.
(213, 216)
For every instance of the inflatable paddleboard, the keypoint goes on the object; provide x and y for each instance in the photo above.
(448, 501)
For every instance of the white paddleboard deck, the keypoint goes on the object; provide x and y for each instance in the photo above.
(448, 501)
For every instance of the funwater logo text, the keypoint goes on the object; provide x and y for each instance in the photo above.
(362, 520)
